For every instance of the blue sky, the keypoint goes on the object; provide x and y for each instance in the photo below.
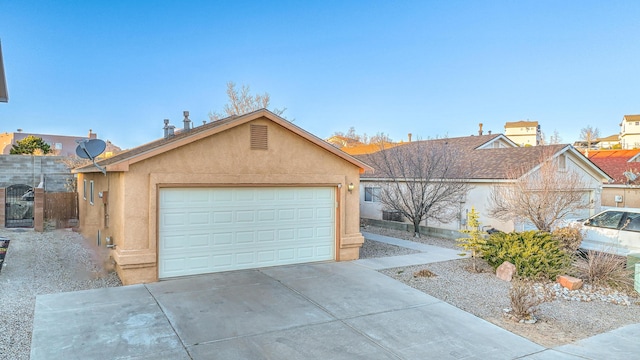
(432, 68)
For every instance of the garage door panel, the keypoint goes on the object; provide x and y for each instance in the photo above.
(266, 215)
(241, 228)
(264, 236)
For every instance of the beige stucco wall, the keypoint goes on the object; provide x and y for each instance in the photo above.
(223, 159)
(630, 196)
(477, 198)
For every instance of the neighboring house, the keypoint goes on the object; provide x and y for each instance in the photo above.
(61, 145)
(490, 160)
(609, 142)
(623, 166)
(243, 192)
(340, 141)
(368, 148)
(523, 133)
(630, 132)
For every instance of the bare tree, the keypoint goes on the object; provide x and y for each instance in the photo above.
(380, 138)
(243, 102)
(421, 180)
(543, 197)
(589, 134)
(351, 138)
(555, 138)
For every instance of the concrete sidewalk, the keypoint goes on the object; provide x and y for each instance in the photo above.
(428, 254)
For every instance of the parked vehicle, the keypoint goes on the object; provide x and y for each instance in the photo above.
(615, 231)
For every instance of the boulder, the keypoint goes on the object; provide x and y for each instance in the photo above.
(506, 271)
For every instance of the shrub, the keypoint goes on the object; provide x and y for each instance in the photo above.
(475, 240)
(423, 273)
(603, 269)
(569, 238)
(534, 253)
(524, 300)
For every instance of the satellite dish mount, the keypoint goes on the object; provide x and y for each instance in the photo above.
(91, 149)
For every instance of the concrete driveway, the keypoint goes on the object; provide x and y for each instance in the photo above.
(312, 311)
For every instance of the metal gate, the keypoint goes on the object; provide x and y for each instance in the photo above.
(19, 206)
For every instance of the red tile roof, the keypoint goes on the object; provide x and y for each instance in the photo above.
(616, 162)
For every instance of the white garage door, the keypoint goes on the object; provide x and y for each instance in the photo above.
(204, 230)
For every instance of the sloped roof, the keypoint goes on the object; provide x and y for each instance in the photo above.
(514, 124)
(610, 138)
(121, 161)
(631, 117)
(616, 162)
(342, 141)
(487, 163)
(368, 148)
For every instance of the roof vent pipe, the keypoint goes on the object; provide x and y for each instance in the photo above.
(187, 122)
(409, 135)
(480, 129)
(166, 128)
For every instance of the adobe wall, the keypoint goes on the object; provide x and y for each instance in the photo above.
(27, 169)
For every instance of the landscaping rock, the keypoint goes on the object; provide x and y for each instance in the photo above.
(506, 271)
(569, 282)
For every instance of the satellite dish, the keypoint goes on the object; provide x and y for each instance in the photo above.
(90, 149)
(630, 175)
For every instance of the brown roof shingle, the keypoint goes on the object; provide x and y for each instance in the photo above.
(631, 117)
(515, 124)
(485, 163)
(201, 131)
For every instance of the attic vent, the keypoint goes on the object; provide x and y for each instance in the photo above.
(259, 137)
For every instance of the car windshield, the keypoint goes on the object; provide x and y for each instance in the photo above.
(608, 219)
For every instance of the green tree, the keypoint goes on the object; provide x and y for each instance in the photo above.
(475, 240)
(30, 145)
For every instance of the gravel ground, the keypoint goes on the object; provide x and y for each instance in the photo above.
(561, 319)
(42, 263)
(376, 249)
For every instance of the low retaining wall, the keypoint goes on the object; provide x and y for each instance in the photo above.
(425, 230)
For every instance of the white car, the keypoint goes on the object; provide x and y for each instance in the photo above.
(615, 231)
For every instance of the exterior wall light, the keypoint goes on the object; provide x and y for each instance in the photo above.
(350, 187)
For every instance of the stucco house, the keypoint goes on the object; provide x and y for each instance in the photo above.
(523, 133)
(630, 132)
(490, 161)
(623, 166)
(608, 142)
(243, 192)
(61, 145)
